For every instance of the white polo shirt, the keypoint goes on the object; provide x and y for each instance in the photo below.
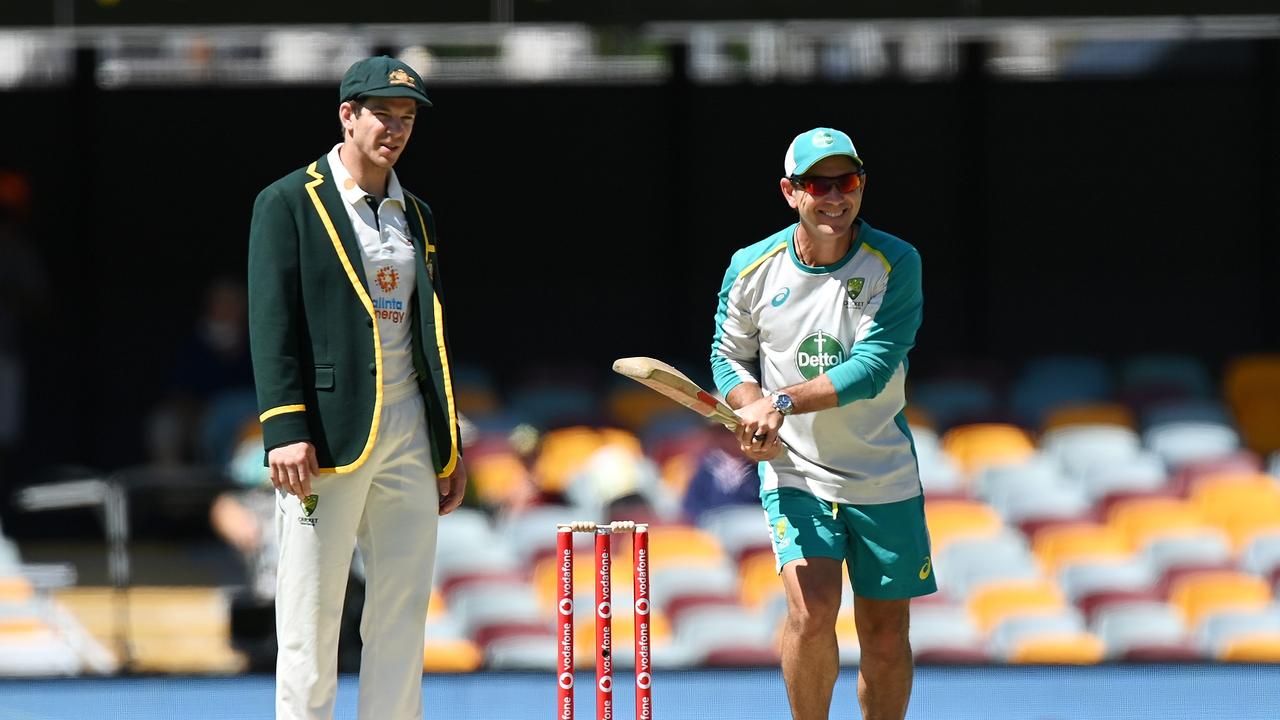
(389, 259)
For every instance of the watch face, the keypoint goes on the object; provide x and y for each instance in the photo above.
(782, 403)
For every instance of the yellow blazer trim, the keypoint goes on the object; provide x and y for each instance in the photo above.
(444, 357)
(362, 293)
(747, 270)
(281, 410)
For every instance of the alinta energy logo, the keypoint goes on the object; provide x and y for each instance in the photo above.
(388, 308)
(818, 353)
(388, 279)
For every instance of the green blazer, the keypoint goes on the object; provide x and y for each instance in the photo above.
(317, 354)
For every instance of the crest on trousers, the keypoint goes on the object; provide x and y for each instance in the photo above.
(309, 506)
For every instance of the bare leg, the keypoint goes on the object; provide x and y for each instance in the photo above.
(884, 675)
(810, 656)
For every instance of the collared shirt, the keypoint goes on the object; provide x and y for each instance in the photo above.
(389, 259)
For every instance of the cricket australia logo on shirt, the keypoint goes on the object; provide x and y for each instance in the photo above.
(818, 353)
(388, 308)
(853, 288)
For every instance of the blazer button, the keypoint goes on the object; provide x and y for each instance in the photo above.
(373, 368)
(368, 321)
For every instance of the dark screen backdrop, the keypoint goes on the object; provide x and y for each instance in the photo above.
(582, 223)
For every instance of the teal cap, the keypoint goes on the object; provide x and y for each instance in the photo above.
(809, 147)
(382, 76)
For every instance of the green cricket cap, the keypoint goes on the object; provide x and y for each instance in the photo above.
(809, 147)
(382, 76)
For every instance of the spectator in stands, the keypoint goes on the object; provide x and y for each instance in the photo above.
(210, 393)
(721, 477)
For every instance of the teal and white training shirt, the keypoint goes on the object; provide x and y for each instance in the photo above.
(781, 322)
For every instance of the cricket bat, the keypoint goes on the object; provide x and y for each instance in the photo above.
(663, 378)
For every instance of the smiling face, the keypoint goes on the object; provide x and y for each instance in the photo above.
(376, 130)
(829, 216)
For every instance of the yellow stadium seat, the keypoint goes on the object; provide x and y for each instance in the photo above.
(1199, 594)
(1238, 503)
(623, 634)
(546, 574)
(497, 476)
(1253, 648)
(993, 602)
(1090, 414)
(982, 445)
(16, 588)
(634, 405)
(952, 519)
(566, 450)
(1251, 384)
(676, 545)
(1144, 519)
(1060, 544)
(759, 579)
(1059, 649)
(451, 656)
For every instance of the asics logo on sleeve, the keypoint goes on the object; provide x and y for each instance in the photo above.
(781, 297)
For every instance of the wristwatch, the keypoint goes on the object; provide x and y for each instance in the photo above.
(782, 403)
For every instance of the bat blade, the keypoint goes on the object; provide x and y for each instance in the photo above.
(665, 379)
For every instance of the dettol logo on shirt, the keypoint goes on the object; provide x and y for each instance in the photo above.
(818, 353)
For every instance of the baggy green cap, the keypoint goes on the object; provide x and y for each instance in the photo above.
(382, 76)
(809, 147)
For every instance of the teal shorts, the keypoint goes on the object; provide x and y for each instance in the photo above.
(886, 546)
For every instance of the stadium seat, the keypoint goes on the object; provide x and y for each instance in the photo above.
(1093, 603)
(1058, 502)
(1054, 649)
(759, 579)
(720, 630)
(634, 406)
(1182, 442)
(1219, 629)
(564, 451)
(1009, 633)
(685, 545)
(1124, 627)
(1053, 381)
(1086, 576)
(938, 471)
(1261, 555)
(1189, 474)
(740, 529)
(974, 447)
(452, 656)
(1199, 594)
(848, 646)
(1240, 504)
(943, 627)
(998, 601)
(1142, 519)
(1255, 648)
(670, 584)
(953, 400)
(1251, 384)
(1081, 449)
(968, 563)
(1072, 415)
(1062, 544)
(497, 476)
(998, 484)
(531, 533)
(953, 519)
(1155, 376)
(548, 404)
(1204, 546)
(1144, 471)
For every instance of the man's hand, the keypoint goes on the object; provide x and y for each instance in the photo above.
(292, 467)
(453, 488)
(758, 430)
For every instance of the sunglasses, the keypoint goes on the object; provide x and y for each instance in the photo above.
(820, 186)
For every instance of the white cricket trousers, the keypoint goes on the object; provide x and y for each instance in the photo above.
(390, 506)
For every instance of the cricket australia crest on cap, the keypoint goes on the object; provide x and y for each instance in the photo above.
(400, 77)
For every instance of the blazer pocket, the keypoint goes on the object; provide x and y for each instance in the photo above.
(324, 377)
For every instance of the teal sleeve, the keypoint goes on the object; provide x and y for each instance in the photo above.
(722, 368)
(874, 359)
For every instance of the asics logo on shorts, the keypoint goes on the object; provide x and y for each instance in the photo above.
(926, 568)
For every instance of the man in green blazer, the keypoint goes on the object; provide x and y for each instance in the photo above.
(351, 363)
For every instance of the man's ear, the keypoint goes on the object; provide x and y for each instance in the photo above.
(788, 192)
